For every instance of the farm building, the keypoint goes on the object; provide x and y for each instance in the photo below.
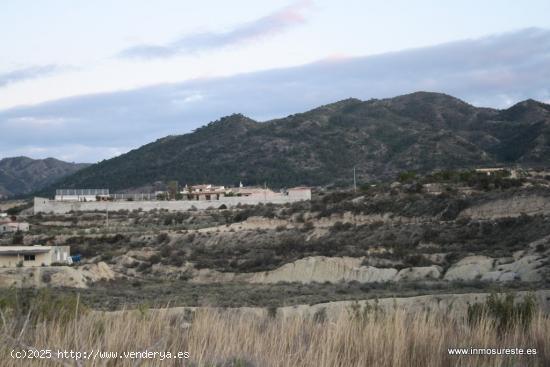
(204, 192)
(13, 256)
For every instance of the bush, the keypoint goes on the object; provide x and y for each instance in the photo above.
(46, 277)
(416, 261)
(363, 314)
(339, 226)
(163, 238)
(308, 226)
(504, 312)
(320, 315)
(406, 176)
(272, 311)
(144, 266)
(155, 259)
(280, 228)
(41, 305)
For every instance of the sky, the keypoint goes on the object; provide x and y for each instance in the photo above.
(85, 81)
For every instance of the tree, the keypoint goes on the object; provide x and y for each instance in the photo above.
(172, 189)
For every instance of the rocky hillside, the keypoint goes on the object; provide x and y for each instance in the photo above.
(22, 175)
(420, 131)
(457, 232)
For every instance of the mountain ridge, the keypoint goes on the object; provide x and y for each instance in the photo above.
(22, 175)
(420, 131)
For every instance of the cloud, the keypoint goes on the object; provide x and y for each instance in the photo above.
(274, 23)
(36, 122)
(27, 73)
(494, 71)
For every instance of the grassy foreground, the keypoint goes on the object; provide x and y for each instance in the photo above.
(226, 338)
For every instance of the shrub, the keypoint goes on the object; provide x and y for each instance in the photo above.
(406, 176)
(503, 311)
(320, 315)
(155, 259)
(46, 277)
(280, 228)
(163, 238)
(272, 311)
(144, 266)
(417, 260)
(363, 314)
(308, 226)
(106, 256)
(339, 226)
(41, 305)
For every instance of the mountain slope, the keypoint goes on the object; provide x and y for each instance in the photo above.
(22, 175)
(420, 131)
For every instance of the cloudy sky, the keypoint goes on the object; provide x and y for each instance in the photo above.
(88, 80)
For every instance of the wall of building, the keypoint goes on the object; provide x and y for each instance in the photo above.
(300, 194)
(43, 205)
(11, 261)
(59, 254)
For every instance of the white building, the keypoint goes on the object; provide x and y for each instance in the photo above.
(300, 192)
(204, 192)
(14, 256)
(10, 227)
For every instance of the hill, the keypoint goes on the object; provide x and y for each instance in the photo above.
(22, 175)
(421, 131)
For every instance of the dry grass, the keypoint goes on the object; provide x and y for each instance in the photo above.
(227, 338)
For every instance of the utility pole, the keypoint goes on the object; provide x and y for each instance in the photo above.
(354, 181)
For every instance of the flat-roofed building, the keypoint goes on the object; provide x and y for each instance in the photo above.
(13, 256)
(10, 226)
(204, 192)
(254, 191)
(300, 192)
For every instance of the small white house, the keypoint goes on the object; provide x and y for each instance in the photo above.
(203, 192)
(10, 227)
(14, 256)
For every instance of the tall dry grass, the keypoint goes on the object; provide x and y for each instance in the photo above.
(224, 338)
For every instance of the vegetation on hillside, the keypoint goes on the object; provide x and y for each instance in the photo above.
(420, 132)
(21, 175)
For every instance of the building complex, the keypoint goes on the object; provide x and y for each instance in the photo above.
(205, 196)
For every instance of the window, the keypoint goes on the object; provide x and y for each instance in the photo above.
(29, 258)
